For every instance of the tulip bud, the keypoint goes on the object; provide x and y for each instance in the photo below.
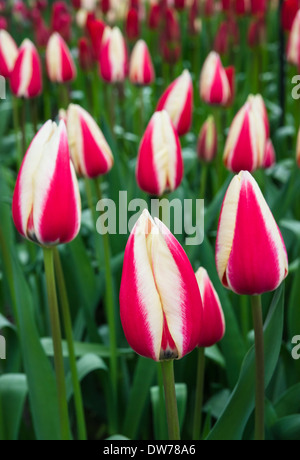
(250, 253)
(154, 16)
(246, 141)
(270, 155)
(132, 24)
(159, 164)
(95, 28)
(61, 20)
(257, 32)
(172, 25)
(177, 100)
(298, 149)
(3, 23)
(293, 49)
(242, 7)
(160, 302)
(288, 13)
(26, 77)
(59, 61)
(113, 56)
(141, 70)
(179, 4)
(46, 202)
(85, 58)
(209, 8)
(215, 86)
(8, 54)
(213, 321)
(208, 141)
(105, 6)
(89, 150)
(171, 51)
(258, 7)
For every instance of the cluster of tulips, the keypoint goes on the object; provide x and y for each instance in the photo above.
(168, 308)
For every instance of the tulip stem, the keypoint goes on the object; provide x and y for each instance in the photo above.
(203, 180)
(109, 302)
(260, 368)
(16, 119)
(70, 341)
(199, 394)
(170, 400)
(23, 125)
(57, 344)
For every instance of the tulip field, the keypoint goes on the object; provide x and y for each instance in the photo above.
(150, 221)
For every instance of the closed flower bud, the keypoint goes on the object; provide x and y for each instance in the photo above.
(160, 302)
(177, 100)
(59, 61)
(46, 201)
(251, 257)
(132, 26)
(257, 32)
(113, 56)
(95, 28)
(141, 70)
(154, 16)
(160, 164)
(216, 87)
(8, 54)
(258, 7)
(85, 56)
(208, 141)
(89, 150)
(293, 48)
(270, 155)
(246, 141)
(61, 20)
(26, 77)
(288, 13)
(213, 321)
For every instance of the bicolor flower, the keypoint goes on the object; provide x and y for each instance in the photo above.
(160, 302)
(26, 76)
(60, 64)
(293, 49)
(46, 202)
(216, 84)
(141, 70)
(159, 164)
(208, 141)
(8, 53)
(246, 141)
(177, 100)
(89, 150)
(269, 156)
(213, 321)
(113, 56)
(251, 257)
(288, 13)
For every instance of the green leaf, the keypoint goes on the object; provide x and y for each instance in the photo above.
(289, 402)
(139, 395)
(5, 323)
(13, 391)
(287, 428)
(233, 420)
(82, 348)
(117, 437)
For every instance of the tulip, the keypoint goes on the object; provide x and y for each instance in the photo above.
(132, 26)
(8, 54)
(293, 49)
(208, 141)
(213, 322)
(216, 86)
(250, 253)
(85, 58)
(46, 201)
(141, 70)
(159, 164)
(177, 100)
(298, 149)
(172, 25)
(227, 35)
(179, 4)
(270, 155)
(76, 4)
(89, 150)
(170, 50)
(246, 142)
(26, 76)
(288, 13)
(257, 32)
(3, 23)
(105, 6)
(59, 62)
(113, 60)
(95, 28)
(258, 7)
(209, 8)
(154, 16)
(242, 7)
(160, 303)
(41, 31)
(61, 20)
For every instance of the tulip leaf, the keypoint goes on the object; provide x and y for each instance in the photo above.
(293, 318)
(117, 437)
(232, 422)
(287, 428)
(13, 391)
(289, 402)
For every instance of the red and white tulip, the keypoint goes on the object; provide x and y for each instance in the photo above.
(159, 164)
(213, 321)
(216, 82)
(251, 257)
(270, 155)
(113, 59)
(89, 149)
(8, 53)
(293, 49)
(141, 70)
(160, 302)
(26, 76)
(207, 148)
(46, 202)
(59, 61)
(177, 100)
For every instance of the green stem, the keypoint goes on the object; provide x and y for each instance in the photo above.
(203, 180)
(260, 368)
(2, 428)
(19, 157)
(23, 125)
(9, 274)
(57, 344)
(142, 111)
(109, 302)
(34, 115)
(64, 97)
(199, 394)
(70, 341)
(170, 398)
